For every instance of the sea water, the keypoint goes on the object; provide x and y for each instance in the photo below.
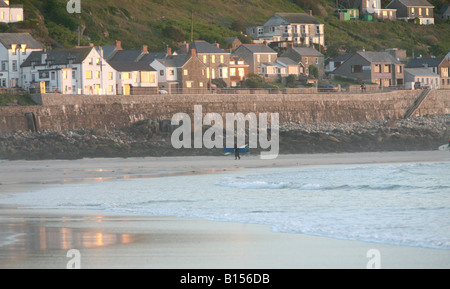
(396, 203)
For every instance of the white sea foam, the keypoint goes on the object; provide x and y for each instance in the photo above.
(404, 204)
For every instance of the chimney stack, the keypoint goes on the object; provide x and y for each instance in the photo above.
(168, 50)
(145, 49)
(310, 12)
(193, 52)
(216, 44)
(118, 45)
(91, 45)
(184, 48)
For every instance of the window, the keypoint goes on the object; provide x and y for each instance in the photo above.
(213, 59)
(387, 68)
(232, 71)
(420, 11)
(185, 72)
(221, 58)
(258, 58)
(14, 65)
(270, 58)
(110, 75)
(4, 65)
(171, 72)
(317, 60)
(88, 74)
(91, 61)
(161, 72)
(201, 84)
(2, 15)
(377, 68)
(306, 60)
(427, 11)
(126, 75)
(205, 59)
(188, 84)
(110, 88)
(64, 74)
(224, 73)
(73, 75)
(413, 11)
(97, 61)
(399, 69)
(357, 68)
(97, 74)
(147, 77)
(53, 75)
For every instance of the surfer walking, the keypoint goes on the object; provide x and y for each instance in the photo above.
(236, 152)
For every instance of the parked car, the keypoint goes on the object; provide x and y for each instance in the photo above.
(421, 85)
(328, 88)
(214, 88)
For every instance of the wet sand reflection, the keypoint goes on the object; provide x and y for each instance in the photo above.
(22, 237)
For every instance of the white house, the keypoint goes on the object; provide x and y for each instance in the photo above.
(80, 70)
(14, 50)
(10, 13)
(422, 75)
(297, 28)
(135, 78)
(167, 69)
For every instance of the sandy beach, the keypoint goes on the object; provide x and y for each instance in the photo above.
(41, 238)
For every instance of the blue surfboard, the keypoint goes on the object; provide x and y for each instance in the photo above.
(242, 150)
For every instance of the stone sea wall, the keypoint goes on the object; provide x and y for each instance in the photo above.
(61, 112)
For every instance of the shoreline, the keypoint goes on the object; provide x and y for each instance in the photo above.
(40, 238)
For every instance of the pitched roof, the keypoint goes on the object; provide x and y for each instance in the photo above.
(126, 66)
(286, 61)
(445, 9)
(3, 4)
(383, 57)
(19, 38)
(342, 58)
(416, 3)
(149, 58)
(420, 72)
(258, 48)
(422, 62)
(107, 50)
(59, 57)
(307, 51)
(125, 55)
(298, 18)
(173, 60)
(204, 47)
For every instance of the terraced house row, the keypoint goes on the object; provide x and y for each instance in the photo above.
(196, 67)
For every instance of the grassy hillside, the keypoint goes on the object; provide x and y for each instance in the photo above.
(158, 23)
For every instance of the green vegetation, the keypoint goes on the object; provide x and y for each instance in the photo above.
(158, 23)
(16, 99)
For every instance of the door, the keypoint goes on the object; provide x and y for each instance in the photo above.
(126, 89)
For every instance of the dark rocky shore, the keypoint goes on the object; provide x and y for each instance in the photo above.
(151, 138)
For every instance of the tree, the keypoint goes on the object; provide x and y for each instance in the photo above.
(290, 81)
(254, 81)
(313, 71)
